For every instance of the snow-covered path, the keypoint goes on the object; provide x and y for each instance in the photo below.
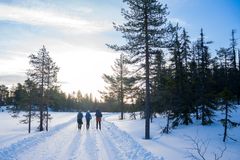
(65, 142)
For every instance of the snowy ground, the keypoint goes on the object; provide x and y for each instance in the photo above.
(118, 140)
(64, 142)
(175, 146)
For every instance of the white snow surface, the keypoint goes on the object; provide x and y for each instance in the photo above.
(177, 144)
(118, 139)
(64, 141)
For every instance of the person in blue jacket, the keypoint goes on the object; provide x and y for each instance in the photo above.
(79, 120)
(88, 118)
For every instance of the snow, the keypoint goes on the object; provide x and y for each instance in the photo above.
(64, 141)
(118, 139)
(177, 144)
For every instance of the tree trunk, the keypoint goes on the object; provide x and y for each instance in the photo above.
(168, 117)
(42, 90)
(197, 114)
(203, 115)
(47, 120)
(225, 123)
(147, 98)
(121, 76)
(29, 119)
(238, 98)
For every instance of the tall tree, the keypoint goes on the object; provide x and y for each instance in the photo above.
(206, 95)
(224, 56)
(51, 76)
(144, 31)
(233, 74)
(119, 83)
(44, 74)
(194, 79)
(179, 50)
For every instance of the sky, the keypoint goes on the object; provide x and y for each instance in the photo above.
(75, 33)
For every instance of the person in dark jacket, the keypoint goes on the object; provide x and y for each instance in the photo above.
(88, 118)
(98, 119)
(79, 120)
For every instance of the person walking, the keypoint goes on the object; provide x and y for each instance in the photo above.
(88, 118)
(79, 120)
(98, 119)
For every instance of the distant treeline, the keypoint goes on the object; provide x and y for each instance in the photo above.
(17, 98)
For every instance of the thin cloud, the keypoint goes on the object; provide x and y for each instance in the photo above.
(182, 23)
(49, 18)
(9, 79)
(10, 54)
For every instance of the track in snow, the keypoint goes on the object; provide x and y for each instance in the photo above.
(65, 142)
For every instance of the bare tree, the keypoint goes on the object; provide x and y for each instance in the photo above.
(199, 149)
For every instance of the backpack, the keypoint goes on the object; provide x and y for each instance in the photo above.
(98, 114)
(80, 115)
(88, 115)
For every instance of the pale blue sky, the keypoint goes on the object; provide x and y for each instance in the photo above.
(76, 31)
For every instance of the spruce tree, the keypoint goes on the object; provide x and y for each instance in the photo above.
(158, 73)
(225, 95)
(144, 32)
(205, 93)
(179, 51)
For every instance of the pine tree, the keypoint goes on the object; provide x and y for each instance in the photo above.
(226, 96)
(206, 95)
(158, 73)
(194, 79)
(43, 73)
(31, 100)
(51, 76)
(180, 56)
(144, 31)
(119, 83)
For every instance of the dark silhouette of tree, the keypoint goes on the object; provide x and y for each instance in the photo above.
(144, 32)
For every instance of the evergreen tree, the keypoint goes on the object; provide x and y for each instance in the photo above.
(4, 93)
(144, 31)
(233, 74)
(20, 100)
(31, 100)
(194, 79)
(225, 94)
(43, 73)
(179, 50)
(159, 81)
(119, 83)
(206, 96)
(185, 48)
